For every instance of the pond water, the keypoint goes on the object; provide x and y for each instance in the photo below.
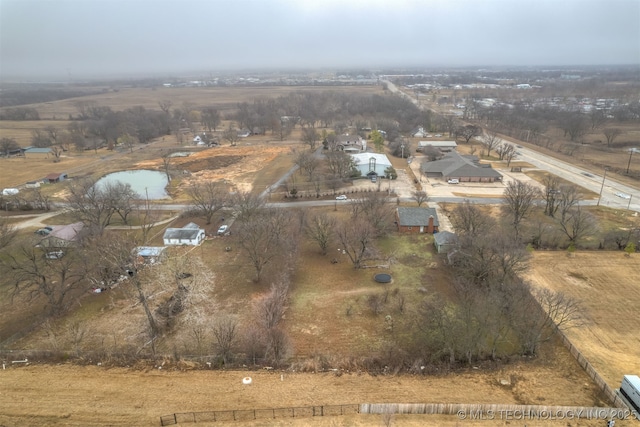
(144, 182)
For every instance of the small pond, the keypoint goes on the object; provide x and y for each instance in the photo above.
(146, 183)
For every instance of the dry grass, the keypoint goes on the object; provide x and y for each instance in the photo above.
(540, 175)
(91, 395)
(607, 284)
(223, 98)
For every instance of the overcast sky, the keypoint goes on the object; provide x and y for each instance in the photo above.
(95, 38)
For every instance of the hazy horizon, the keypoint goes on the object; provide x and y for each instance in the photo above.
(75, 39)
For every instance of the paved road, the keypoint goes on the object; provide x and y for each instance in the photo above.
(611, 191)
(585, 179)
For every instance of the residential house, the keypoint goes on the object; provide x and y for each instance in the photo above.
(351, 144)
(444, 241)
(63, 236)
(462, 168)
(55, 177)
(419, 132)
(150, 254)
(371, 164)
(38, 153)
(191, 234)
(417, 220)
(444, 146)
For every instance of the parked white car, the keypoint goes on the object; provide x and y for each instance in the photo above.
(222, 229)
(453, 181)
(623, 195)
(54, 254)
(341, 197)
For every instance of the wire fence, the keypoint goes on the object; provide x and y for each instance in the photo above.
(256, 414)
(608, 391)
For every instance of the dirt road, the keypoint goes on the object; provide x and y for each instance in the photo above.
(92, 396)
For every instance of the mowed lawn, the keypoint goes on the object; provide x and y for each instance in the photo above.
(607, 284)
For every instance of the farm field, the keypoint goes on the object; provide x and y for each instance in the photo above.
(223, 98)
(608, 287)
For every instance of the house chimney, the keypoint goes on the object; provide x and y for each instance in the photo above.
(430, 228)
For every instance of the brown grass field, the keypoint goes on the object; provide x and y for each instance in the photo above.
(608, 287)
(68, 395)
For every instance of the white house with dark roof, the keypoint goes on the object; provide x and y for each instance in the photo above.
(191, 234)
(463, 168)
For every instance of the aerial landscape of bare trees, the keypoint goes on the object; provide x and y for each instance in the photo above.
(493, 313)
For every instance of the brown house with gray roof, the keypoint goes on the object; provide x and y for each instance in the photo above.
(417, 220)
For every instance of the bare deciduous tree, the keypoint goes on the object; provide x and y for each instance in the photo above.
(490, 140)
(535, 315)
(208, 198)
(7, 233)
(264, 237)
(231, 135)
(468, 132)
(306, 161)
(320, 228)
(57, 278)
(210, 118)
(7, 145)
(551, 194)
(225, 331)
(420, 197)
(468, 219)
(271, 307)
(355, 238)
(576, 224)
(374, 209)
(339, 163)
(246, 205)
(96, 205)
(519, 199)
(165, 105)
(310, 137)
(278, 345)
(611, 134)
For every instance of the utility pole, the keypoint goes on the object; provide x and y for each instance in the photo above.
(631, 151)
(602, 187)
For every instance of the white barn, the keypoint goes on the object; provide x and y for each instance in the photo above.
(191, 234)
